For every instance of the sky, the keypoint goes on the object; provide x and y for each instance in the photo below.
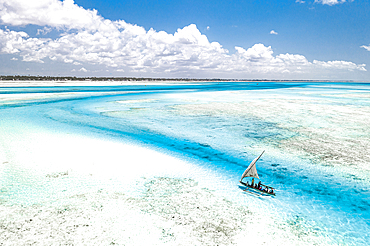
(239, 39)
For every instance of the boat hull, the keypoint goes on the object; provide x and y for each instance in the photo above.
(257, 191)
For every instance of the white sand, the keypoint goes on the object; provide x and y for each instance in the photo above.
(32, 83)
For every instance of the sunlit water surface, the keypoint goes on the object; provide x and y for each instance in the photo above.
(162, 163)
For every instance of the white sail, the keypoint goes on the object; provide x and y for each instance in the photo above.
(251, 171)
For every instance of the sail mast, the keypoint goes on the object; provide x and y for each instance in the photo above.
(251, 171)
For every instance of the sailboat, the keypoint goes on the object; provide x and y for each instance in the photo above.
(254, 188)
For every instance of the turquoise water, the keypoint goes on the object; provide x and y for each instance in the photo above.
(316, 137)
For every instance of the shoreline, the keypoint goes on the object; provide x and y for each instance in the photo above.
(51, 83)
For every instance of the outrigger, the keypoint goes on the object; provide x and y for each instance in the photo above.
(256, 188)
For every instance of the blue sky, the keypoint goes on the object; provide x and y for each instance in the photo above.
(289, 39)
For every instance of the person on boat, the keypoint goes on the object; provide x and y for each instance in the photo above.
(252, 184)
(259, 185)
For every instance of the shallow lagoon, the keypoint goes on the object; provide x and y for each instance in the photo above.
(162, 163)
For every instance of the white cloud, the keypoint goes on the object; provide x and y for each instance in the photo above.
(260, 58)
(300, 1)
(44, 31)
(340, 65)
(366, 47)
(52, 13)
(83, 70)
(14, 59)
(10, 39)
(293, 60)
(208, 28)
(330, 2)
(257, 53)
(273, 32)
(128, 47)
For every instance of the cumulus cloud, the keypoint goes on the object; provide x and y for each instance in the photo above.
(52, 13)
(330, 2)
(366, 47)
(273, 32)
(44, 31)
(8, 39)
(340, 65)
(260, 58)
(88, 38)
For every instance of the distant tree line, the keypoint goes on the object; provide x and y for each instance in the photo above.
(70, 78)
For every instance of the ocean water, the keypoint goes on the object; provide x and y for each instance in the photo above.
(161, 163)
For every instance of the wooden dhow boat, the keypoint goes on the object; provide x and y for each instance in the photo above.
(254, 187)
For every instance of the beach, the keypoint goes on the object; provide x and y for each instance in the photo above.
(132, 163)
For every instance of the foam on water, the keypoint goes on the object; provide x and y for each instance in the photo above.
(74, 158)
